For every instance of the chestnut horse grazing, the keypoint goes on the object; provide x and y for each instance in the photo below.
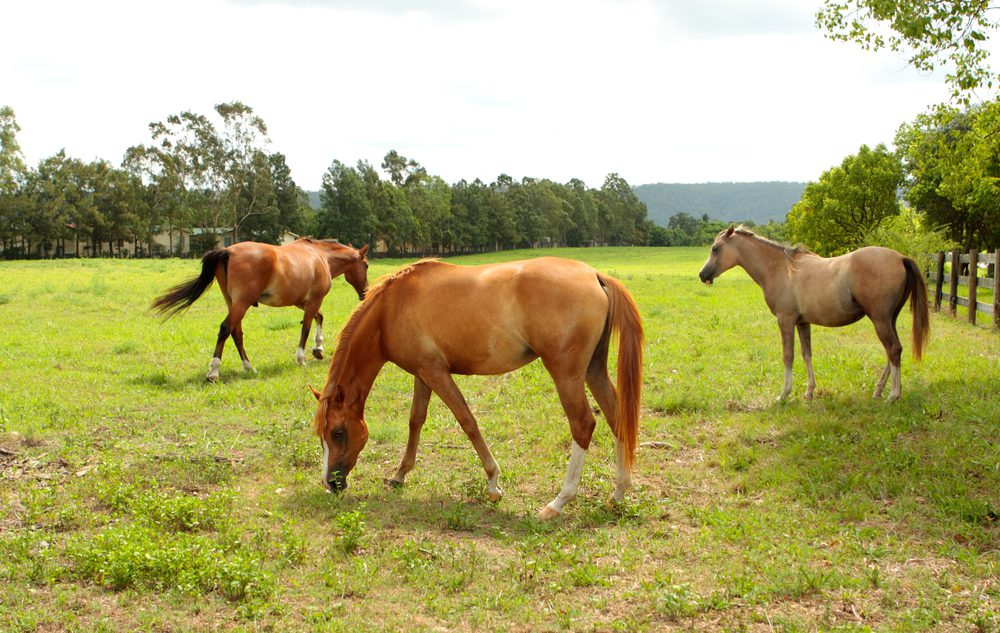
(297, 274)
(802, 288)
(435, 319)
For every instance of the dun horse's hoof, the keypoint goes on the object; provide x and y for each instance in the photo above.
(548, 513)
(318, 354)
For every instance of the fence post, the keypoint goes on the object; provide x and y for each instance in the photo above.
(973, 285)
(996, 289)
(939, 282)
(956, 265)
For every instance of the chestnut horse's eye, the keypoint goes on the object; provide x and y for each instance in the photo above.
(339, 435)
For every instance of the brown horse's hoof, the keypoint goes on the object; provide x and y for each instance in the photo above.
(392, 483)
(318, 354)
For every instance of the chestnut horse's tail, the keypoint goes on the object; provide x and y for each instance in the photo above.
(917, 289)
(623, 316)
(181, 296)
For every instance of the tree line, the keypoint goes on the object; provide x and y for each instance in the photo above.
(214, 179)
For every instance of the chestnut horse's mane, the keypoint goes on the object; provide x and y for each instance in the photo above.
(371, 298)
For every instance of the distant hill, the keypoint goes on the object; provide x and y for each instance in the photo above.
(759, 202)
(314, 201)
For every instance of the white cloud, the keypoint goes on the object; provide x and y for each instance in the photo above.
(657, 91)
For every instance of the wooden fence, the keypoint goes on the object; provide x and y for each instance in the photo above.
(970, 262)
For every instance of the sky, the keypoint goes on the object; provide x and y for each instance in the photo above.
(653, 90)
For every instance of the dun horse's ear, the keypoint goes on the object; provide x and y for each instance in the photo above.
(363, 250)
(730, 230)
(315, 393)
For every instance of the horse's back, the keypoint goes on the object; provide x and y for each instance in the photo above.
(495, 317)
(275, 275)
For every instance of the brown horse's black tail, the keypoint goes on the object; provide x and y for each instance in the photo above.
(917, 289)
(181, 296)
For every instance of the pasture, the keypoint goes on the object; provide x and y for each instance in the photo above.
(134, 495)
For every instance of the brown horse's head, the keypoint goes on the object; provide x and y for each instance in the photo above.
(722, 258)
(342, 432)
(356, 273)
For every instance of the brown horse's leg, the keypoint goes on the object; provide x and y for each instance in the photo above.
(418, 414)
(885, 328)
(318, 347)
(805, 339)
(787, 327)
(236, 314)
(308, 312)
(441, 383)
(604, 392)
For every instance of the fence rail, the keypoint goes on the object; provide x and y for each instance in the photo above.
(970, 263)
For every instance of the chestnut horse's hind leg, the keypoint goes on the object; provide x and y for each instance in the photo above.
(604, 392)
(581, 424)
(418, 414)
(805, 339)
(441, 383)
(232, 325)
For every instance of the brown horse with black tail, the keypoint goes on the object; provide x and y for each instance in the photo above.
(249, 273)
(434, 320)
(802, 288)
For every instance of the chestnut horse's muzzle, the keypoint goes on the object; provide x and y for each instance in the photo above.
(337, 481)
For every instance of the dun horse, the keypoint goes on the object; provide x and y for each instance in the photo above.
(249, 273)
(435, 319)
(802, 288)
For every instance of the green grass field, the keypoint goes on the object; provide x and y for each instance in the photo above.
(134, 495)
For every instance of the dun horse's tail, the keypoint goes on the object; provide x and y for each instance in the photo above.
(181, 296)
(623, 316)
(917, 289)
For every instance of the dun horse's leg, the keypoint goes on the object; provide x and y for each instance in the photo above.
(805, 339)
(886, 331)
(787, 327)
(318, 348)
(441, 382)
(418, 413)
(604, 392)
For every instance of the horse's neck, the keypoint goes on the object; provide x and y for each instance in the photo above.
(762, 261)
(363, 359)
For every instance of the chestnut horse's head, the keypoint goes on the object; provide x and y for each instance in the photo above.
(722, 258)
(356, 273)
(342, 432)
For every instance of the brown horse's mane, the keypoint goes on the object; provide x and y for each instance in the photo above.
(791, 252)
(371, 299)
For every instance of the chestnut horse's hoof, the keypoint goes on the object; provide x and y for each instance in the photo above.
(548, 513)
(393, 483)
(495, 496)
(318, 354)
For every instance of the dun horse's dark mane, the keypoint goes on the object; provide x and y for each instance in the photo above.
(791, 252)
(372, 298)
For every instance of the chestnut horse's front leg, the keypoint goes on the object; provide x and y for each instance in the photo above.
(787, 326)
(441, 383)
(418, 414)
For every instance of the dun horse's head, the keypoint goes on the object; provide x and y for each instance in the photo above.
(343, 433)
(722, 258)
(357, 273)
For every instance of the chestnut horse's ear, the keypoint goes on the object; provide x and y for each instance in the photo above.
(729, 231)
(315, 393)
(363, 250)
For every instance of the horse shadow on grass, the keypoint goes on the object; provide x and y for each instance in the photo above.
(438, 512)
(164, 380)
